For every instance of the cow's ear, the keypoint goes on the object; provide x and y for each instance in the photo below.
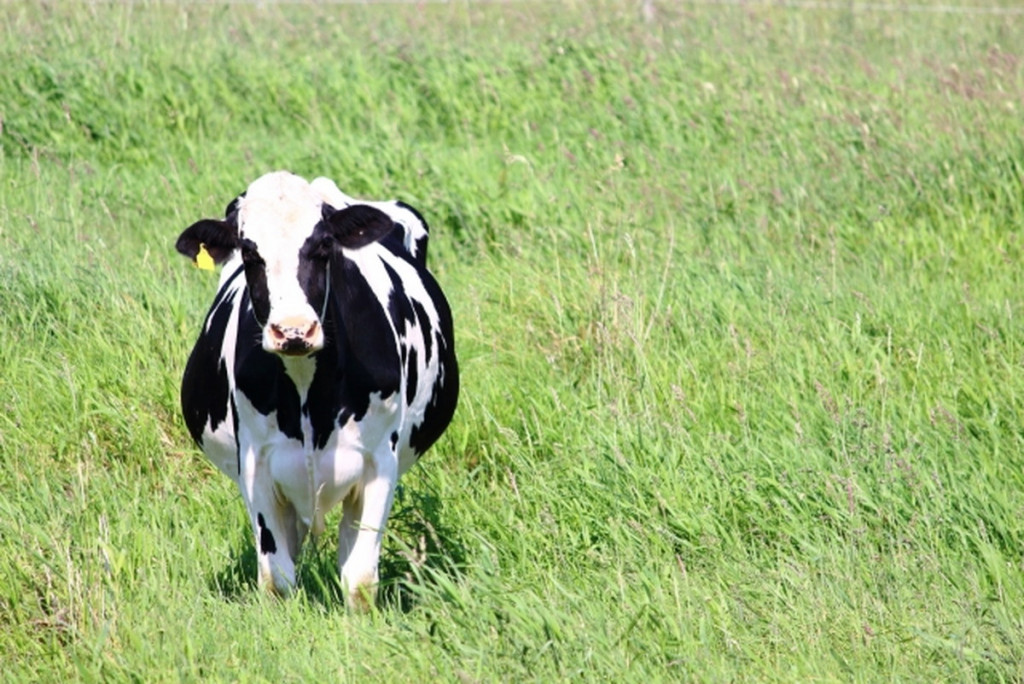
(231, 211)
(357, 225)
(218, 238)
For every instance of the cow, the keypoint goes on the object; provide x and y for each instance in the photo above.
(324, 369)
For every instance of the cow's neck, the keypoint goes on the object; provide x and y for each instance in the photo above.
(300, 370)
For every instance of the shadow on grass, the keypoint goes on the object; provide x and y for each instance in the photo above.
(417, 546)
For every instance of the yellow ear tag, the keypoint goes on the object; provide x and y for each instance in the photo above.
(203, 260)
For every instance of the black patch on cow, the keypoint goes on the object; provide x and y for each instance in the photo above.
(426, 328)
(444, 395)
(204, 385)
(261, 377)
(312, 272)
(399, 308)
(394, 440)
(421, 250)
(364, 358)
(394, 242)
(267, 543)
(322, 398)
(412, 376)
(256, 279)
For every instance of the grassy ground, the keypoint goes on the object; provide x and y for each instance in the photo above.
(738, 303)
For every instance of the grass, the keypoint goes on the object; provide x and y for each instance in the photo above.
(737, 296)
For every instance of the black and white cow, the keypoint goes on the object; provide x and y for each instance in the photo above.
(325, 368)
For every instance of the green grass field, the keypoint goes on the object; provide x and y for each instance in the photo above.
(739, 307)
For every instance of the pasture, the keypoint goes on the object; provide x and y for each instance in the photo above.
(739, 309)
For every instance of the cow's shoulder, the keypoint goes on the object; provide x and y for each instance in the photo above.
(205, 385)
(414, 227)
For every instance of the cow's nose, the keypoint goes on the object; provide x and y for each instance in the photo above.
(285, 331)
(295, 336)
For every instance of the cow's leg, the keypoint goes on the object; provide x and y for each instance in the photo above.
(276, 544)
(348, 528)
(299, 533)
(294, 529)
(273, 524)
(362, 529)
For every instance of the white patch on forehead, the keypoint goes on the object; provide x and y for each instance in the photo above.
(278, 212)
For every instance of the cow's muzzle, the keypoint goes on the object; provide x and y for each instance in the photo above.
(293, 337)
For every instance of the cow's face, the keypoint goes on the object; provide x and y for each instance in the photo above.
(287, 236)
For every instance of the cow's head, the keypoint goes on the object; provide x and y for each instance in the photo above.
(287, 237)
